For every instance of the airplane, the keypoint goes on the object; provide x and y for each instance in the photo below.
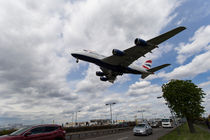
(120, 62)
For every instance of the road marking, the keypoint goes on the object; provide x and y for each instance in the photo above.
(123, 138)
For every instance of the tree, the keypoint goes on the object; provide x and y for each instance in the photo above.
(184, 98)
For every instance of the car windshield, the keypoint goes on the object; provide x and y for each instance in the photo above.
(140, 125)
(165, 120)
(19, 131)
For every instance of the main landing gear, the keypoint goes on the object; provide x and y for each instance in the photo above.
(77, 60)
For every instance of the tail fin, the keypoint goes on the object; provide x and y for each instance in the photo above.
(147, 65)
(152, 70)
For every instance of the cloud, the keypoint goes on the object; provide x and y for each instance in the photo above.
(204, 84)
(142, 88)
(198, 65)
(198, 43)
(36, 39)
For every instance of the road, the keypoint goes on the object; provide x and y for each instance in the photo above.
(128, 135)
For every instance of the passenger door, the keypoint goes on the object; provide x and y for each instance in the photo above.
(37, 134)
(51, 132)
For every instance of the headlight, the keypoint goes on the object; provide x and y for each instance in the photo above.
(143, 130)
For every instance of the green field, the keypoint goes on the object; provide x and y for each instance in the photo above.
(186, 135)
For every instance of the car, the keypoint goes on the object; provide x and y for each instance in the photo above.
(167, 123)
(38, 132)
(142, 129)
(155, 124)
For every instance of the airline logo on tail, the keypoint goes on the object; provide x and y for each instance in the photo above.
(147, 65)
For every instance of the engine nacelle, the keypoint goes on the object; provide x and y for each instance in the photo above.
(99, 73)
(140, 42)
(103, 78)
(117, 52)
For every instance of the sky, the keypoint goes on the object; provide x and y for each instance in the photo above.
(40, 81)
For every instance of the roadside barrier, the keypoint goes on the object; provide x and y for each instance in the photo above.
(96, 133)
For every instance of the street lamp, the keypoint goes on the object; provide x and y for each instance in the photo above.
(76, 117)
(73, 119)
(172, 112)
(142, 113)
(110, 104)
(154, 115)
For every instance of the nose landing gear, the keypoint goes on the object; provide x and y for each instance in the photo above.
(77, 60)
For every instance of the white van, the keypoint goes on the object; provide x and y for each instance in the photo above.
(167, 123)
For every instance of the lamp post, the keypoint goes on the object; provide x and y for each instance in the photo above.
(73, 119)
(171, 113)
(154, 115)
(142, 113)
(110, 104)
(76, 117)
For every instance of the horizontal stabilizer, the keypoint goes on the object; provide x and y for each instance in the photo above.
(152, 70)
(158, 68)
(144, 75)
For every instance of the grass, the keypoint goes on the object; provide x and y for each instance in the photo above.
(204, 126)
(186, 135)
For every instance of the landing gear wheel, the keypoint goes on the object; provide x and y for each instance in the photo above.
(77, 60)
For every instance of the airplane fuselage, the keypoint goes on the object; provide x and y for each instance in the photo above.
(97, 59)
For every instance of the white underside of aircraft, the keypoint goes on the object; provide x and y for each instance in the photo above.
(120, 62)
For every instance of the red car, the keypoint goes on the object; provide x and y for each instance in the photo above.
(39, 132)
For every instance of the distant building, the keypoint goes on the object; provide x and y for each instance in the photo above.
(73, 124)
(100, 122)
(69, 124)
(120, 121)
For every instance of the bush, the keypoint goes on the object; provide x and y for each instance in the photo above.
(6, 132)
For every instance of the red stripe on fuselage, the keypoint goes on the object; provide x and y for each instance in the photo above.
(149, 61)
(145, 67)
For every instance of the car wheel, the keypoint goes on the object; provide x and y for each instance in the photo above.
(147, 133)
(58, 138)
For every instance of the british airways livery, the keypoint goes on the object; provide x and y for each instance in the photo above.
(120, 62)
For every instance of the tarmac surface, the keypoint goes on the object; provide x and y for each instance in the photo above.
(128, 135)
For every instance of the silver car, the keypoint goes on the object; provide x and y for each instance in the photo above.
(142, 129)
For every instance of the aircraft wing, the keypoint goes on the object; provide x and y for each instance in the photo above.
(161, 38)
(135, 52)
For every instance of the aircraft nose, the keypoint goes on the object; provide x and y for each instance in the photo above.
(74, 55)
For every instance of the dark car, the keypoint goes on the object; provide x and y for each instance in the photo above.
(39, 132)
(155, 124)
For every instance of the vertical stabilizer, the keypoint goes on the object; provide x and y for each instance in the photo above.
(147, 65)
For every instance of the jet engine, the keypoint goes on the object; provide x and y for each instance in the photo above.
(117, 52)
(103, 78)
(140, 42)
(99, 73)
